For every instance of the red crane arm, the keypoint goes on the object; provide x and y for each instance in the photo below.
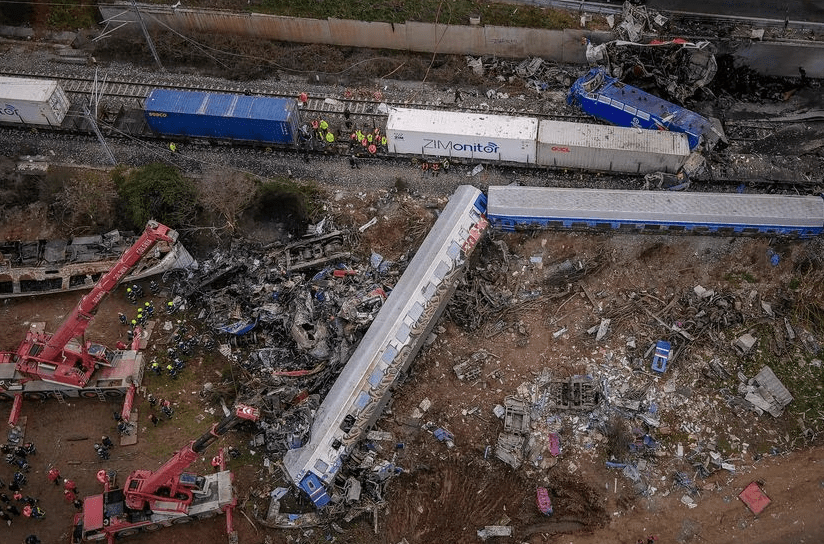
(75, 324)
(142, 485)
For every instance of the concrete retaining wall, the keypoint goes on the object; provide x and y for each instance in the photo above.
(565, 46)
(555, 45)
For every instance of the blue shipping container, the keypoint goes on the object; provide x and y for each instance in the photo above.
(608, 99)
(224, 116)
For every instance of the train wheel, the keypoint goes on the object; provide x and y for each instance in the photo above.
(6, 396)
(206, 515)
(127, 532)
(113, 393)
(152, 528)
(34, 396)
(181, 521)
(88, 394)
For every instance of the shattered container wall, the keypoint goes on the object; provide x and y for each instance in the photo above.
(32, 101)
(610, 149)
(225, 116)
(467, 135)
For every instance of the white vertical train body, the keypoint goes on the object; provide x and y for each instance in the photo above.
(360, 393)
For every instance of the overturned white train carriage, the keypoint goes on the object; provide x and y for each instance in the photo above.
(362, 390)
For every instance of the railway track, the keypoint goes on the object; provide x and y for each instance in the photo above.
(133, 93)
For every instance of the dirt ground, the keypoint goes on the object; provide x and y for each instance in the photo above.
(447, 494)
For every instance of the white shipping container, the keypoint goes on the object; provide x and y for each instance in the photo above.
(610, 148)
(476, 136)
(32, 101)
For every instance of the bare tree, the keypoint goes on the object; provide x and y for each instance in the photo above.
(227, 193)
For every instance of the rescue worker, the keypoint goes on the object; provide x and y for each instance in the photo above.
(70, 485)
(106, 441)
(170, 307)
(7, 518)
(69, 496)
(216, 463)
(353, 162)
(330, 138)
(138, 290)
(155, 366)
(122, 317)
(133, 324)
(150, 308)
(172, 147)
(12, 509)
(154, 287)
(54, 475)
(152, 400)
(31, 539)
(153, 419)
(38, 513)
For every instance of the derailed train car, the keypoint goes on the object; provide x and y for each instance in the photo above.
(606, 98)
(526, 208)
(28, 101)
(363, 388)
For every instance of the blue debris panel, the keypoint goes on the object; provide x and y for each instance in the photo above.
(222, 116)
(661, 357)
(606, 98)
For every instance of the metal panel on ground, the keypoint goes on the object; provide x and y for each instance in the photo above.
(612, 149)
(476, 136)
(215, 115)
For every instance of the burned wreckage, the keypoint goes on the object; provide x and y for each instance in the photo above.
(337, 343)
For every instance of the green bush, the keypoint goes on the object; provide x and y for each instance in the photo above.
(157, 191)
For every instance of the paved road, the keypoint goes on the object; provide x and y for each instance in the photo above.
(796, 10)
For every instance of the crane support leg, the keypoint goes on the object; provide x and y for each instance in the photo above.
(126, 412)
(16, 408)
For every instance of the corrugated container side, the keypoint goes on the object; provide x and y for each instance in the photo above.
(223, 116)
(32, 101)
(611, 149)
(453, 134)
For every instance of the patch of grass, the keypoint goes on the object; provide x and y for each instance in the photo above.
(794, 284)
(71, 14)
(735, 278)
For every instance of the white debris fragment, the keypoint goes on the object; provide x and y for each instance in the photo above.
(425, 404)
(687, 500)
(603, 328)
(368, 224)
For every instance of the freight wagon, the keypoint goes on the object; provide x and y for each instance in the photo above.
(476, 136)
(239, 117)
(513, 208)
(607, 99)
(610, 149)
(32, 102)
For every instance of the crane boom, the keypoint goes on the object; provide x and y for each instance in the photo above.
(166, 485)
(44, 356)
(75, 325)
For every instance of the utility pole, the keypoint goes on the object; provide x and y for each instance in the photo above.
(148, 38)
(91, 116)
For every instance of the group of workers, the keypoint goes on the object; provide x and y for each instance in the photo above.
(19, 504)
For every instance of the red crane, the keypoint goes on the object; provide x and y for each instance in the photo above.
(150, 500)
(54, 357)
(168, 488)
